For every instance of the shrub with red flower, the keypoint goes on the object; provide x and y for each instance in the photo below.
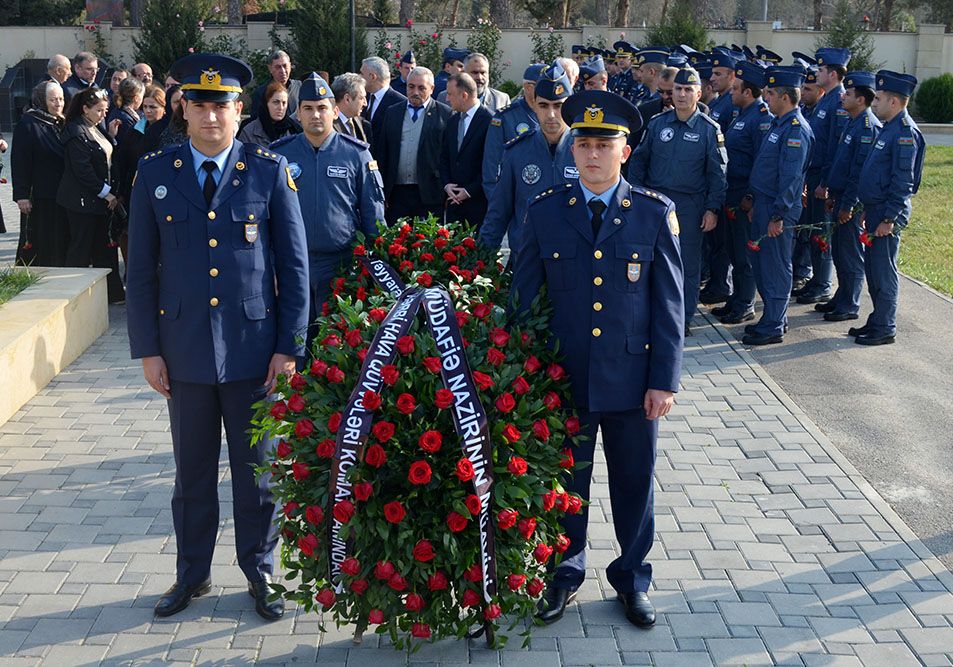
(409, 513)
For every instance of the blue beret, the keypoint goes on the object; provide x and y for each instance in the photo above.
(859, 79)
(600, 113)
(751, 73)
(211, 77)
(654, 54)
(722, 58)
(768, 56)
(623, 48)
(553, 83)
(687, 76)
(408, 56)
(704, 69)
(895, 82)
(788, 76)
(591, 67)
(532, 72)
(833, 57)
(314, 88)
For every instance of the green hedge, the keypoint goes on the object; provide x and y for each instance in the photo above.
(934, 99)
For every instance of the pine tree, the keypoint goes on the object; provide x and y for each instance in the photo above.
(845, 30)
(321, 38)
(169, 29)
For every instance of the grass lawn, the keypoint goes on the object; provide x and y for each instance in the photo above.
(926, 247)
(14, 281)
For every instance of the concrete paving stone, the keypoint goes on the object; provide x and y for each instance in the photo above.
(697, 625)
(751, 581)
(923, 603)
(709, 591)
(840, 594)
(748, 613)
(802, 573)
(816, 660)
(682, 659)
(886, 617)
(758, 551)
(75, 655)
(929, 640)
(739, 652)
(841, 630)
(726, 559)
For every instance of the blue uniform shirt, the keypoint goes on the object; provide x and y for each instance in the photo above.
(339, 188)
(823, 117)
(742, 141)
(529, 167)
(722, 111)
(891, 173)
(778, 171)
(198, 159)
(855, 144)
(507, 124)
(682, 156)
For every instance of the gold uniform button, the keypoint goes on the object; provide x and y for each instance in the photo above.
(212, 243)
(597, 254)
(162, 311)
(597, 306)
(211, 215)
(251, 216)
(635, 255)
(213, 272)
(597, 332)
(555, 255)
(213, 301)
(597, 280)
(168, 218)
(646, 346)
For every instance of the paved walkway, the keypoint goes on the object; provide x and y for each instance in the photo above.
(771, 547)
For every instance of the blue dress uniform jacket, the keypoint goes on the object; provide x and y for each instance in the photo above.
(201, 286)
(722, 111)
(828, 123)
(528, 169)
(507, 124)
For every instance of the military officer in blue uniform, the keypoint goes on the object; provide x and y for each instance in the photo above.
(608, 254)
(843, 182)
(777, 182)
(534, 161)
(452, 63)
(888, 180)
(217, 306)
(592, 74)
(828, 121)
(624, 84)
(507, 124)
(339, 187)
(407, 63)
(721, 109)
(651, 60)
(683, 156)
(742, 141)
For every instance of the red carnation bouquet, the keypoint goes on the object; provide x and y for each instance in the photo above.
(414, 530)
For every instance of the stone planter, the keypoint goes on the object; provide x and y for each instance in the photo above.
(45, 327)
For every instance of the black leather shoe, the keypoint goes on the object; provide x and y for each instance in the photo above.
(762, 339)
(708, 298)
(858, 331)
(179, 596)
(750, 328)
(814, 298)
(638, 609)
(688, 331)
(737, 318)
(867, 339)
(270, 610)
(799, 287)
(720, 311)
(825, 307)
(553, 605)
(840, 317)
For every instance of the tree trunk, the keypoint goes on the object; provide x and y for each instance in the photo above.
(886, 15)
(135, 12)
(602, 12)
(234, 12)
(818, 14)
(500, 13)
(621, 13)
(567, 7)
(454, 10)
(406, 13)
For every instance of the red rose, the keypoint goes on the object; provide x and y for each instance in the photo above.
(562, 543)
(390, 374)
(469, 242)
(506, 518)
(300, 471)
(552, 401)
(443, 398)
(359, 251)
(334, 375)
(549, 500)
(506, 403)
(516, 581)
(298, 382)
(464, 470)
(351, 566)
(371, 400)
(420, 631)
(384, 570)
(521, 386)
(462, 318)
(377, 314)
(318, 368)
(572, 425)
(424, 280)
(494, 357)
(375, 617)
(290, 508)
(419, 473)
(542, 552)
(308, 544)
(527, 527)
(437, 581)
(541, 429)
(406, 404)
(567, 461)
(555, 372)
(532, 364)
(473, 504)
(353, 338)
(325, 597)
(492, 611)
(426, 257)
(474, 573)
(754, 246)
(278, 410)
(304, 428)
(535, 587)
(456, 522)
(313, 514)
(326, 448)
(405, 266)
(575, 504)
(375, 456)
(405, 344)
(331, 340)
(362, 354)
(363, 491)
(394, 512)
(432, 364)
(482, 310)
(499, 337)
(562, 502)
(430, 441)
(413, 602)
(343, 510)
(383, 431)
(511, 433)
(423, 551)
(397, 582)
(283, 450)
(334, 422)
(470, 598)
(449, 257)
(440, 244)
(483, 381)
(296, 403)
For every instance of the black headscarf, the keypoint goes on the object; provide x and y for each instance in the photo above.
(276, 129)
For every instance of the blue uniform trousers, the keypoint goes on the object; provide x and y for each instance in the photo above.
(715, 256)
(822, 265)
(848, 254)
(628, 440)
(689, 208)
(772, 270)
(196, 413)
(883, 280)
(323, 267)
(738, 232)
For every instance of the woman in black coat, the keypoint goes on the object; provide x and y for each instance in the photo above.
(37, 166)
(86, 187)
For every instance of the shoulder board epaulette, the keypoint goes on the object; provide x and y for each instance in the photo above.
(509, 107)
(711, 121)
(282, 141)
(866, 121)
(156, 155)
(551, 191)
(651, 194)
(795, 121)
(905, 121)
(264, 153)
(519, 137)
(353, 140)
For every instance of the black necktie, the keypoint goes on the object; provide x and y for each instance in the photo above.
(370, 107)
(208, 188)
(598, 207)
(416, 112)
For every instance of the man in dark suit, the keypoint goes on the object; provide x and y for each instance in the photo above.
(380, 96)
(85, 68)
(279, 66)
(462, 156)
(409, 150)
(350, 99)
